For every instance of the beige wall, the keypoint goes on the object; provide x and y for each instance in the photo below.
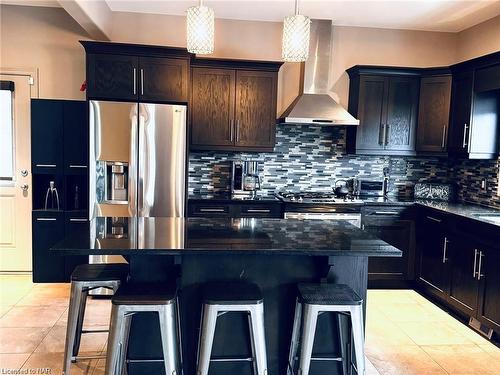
(479, 40)
(47, 39)
(370, 46)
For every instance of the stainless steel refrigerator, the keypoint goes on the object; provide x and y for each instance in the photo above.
(137, 165)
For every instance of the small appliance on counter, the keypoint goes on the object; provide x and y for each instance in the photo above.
(371, 187)
(245, 179)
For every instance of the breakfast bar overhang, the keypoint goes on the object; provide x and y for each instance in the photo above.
(275, 254)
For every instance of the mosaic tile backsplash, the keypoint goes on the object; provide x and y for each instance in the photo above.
(313, 157)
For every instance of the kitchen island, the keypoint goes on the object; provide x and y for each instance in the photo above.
(276, 254)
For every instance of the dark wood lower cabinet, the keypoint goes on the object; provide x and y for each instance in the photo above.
(433, 244)
(463, 274)
(48, 229)
(395, 226)
(464, 285)
(200, 208)
(489, 288)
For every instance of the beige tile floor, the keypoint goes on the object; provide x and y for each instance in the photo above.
(405, 333)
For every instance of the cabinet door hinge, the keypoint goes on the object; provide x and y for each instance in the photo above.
(31, 81)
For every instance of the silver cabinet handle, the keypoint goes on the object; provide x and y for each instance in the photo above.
(434, 219)
(135, 81)
(479, 274)
(212, 210)
(259, 210)
(46, 219)
(231, 130)
(443, 140)
(78, 220)
(77, 166)
(46, 165)
(445, 248)
(142, 81)
(386, 134)
(464, 144)
(237, 130)
(391, 213)
(475, 264)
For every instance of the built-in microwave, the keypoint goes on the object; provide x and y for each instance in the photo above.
(371, 187)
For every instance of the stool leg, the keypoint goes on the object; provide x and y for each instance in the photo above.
(308, 332)
(294, 345)
(342, 343)
(127, 321)
(209, 320)
(252, 343)
(259, 338)
(358, 336)
(113, 354)
(168, 329)
(73, 312)
(79, 325)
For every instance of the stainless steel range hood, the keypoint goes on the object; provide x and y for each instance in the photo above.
(314, 105)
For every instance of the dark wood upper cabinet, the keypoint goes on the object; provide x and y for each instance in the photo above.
(76, 136)
(233, 105)
(112, 76)
(212, 107)
(163, 79)
(371, 113)
(385, 101)
(118, 71)
(434, 113)
(255, 110)
(401, 122)
(461, 111)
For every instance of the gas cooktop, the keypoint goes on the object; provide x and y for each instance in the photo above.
(318, 197)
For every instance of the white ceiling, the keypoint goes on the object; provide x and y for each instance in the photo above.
(431, 15)
(435, 15)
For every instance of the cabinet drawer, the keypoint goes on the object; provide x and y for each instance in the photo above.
(259, 210)
(209, 210)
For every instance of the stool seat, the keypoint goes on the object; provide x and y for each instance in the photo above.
(231, 293)
(328, 294)
(145, 294)
(100, 272)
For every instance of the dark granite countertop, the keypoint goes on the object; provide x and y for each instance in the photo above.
(227, 197)
(488, 215)
(178, 236)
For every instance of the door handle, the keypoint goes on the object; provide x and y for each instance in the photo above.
(445, 249)
(443, 140)
(475, 264)
(24, 187)
(259, 210)
(142, 81)
(479, 274)
(433, 219)
(464, 144)
(212, 210)
(135, 81)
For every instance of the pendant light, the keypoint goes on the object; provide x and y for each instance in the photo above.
(296, 31)
(200, 29)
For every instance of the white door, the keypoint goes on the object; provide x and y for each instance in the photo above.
(15, 173)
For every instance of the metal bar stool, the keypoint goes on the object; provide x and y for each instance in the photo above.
(314, 300)
(133, 299)
(222, 298)
(87, 277)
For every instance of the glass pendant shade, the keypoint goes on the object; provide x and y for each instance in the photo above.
(200, 30)
(296, 32)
